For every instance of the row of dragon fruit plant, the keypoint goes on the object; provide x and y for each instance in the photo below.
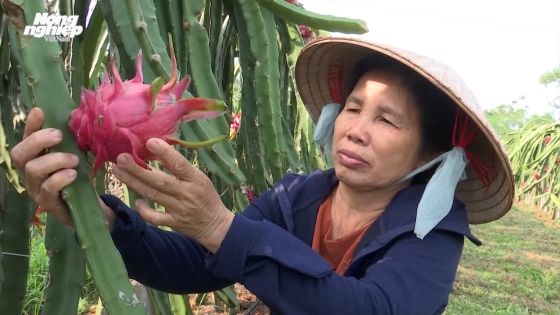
(534, 151)
(264, 132)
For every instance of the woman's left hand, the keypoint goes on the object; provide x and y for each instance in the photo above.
(192, 205)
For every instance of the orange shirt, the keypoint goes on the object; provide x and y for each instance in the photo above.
(339, 252)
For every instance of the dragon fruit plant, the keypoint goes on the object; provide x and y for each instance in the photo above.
(534, 152)
(120, 117)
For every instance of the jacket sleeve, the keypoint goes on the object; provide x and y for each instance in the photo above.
(165, 260)
(414, 277)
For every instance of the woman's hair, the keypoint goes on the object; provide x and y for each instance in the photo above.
(437, 110)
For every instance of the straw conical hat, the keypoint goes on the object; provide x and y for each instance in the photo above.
(484, 203)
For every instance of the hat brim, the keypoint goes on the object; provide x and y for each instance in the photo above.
(483, 204)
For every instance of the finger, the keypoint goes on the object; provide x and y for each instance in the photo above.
(153, 216)
(155, 178)
(34, 145)
(161, 189)
(37, 170)
(51, 187)
(172, 160)
(33, 122)
(49, 197)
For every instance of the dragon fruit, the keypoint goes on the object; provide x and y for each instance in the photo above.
(305, 31)
(234, 126)
(121, 116)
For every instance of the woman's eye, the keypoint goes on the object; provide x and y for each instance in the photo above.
(386, 121)
(353, 110)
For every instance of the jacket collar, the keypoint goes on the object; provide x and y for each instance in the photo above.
(400, 214)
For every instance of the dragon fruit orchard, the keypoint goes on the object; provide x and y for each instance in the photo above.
(121, 116)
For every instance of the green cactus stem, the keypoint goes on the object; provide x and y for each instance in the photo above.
(3, 196)
(65, 8)
(223, 190)
(243, 160)
(254, 178)
(305, 155)
(298, 15)
(94, 35)
(67, 270)
(249, 118)
(7, 132)
(44, 75)
(179, 304)
(216, 160)
(200, 63)
(1, 255)
(284, 36)
(216, 8)
(160, 302)
(135, 30)
(284, 85)
(293, 156)
(165, 22)
(294, 36)
(15, 243)
(142, 15)
(241, 201)
(180, 36)
(221, 57)
(119, 28)
(274, 82)
(76, 70)
(227, 296)
(267, 100)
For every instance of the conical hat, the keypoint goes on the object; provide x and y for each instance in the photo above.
(487, 198)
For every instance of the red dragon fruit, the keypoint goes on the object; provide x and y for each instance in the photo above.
(121, 116)
(305, 31)
(251, 195)
(35, 221)
(234, 126)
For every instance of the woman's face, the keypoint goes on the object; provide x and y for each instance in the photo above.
(377, 136)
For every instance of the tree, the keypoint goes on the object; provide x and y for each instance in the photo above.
(550, 77)
(507, 118)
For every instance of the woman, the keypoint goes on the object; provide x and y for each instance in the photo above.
(415, 161)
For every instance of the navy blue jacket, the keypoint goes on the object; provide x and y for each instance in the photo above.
(268, 250)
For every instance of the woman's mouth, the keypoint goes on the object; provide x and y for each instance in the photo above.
(351, 159)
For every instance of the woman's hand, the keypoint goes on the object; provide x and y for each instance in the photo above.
(192, 206)
(46, 174)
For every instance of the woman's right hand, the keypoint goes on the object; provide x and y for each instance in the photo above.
(46, 174)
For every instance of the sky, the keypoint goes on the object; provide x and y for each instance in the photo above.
(499, 47)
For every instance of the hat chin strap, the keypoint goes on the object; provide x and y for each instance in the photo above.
(438, 196)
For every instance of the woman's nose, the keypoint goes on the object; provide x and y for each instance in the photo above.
(359, 130)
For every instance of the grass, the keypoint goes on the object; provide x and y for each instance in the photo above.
(36, 280)
(515, 271)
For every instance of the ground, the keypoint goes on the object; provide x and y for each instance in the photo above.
(246, 299)
(516, 271)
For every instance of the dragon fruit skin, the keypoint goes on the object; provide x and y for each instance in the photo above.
(121, 116)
